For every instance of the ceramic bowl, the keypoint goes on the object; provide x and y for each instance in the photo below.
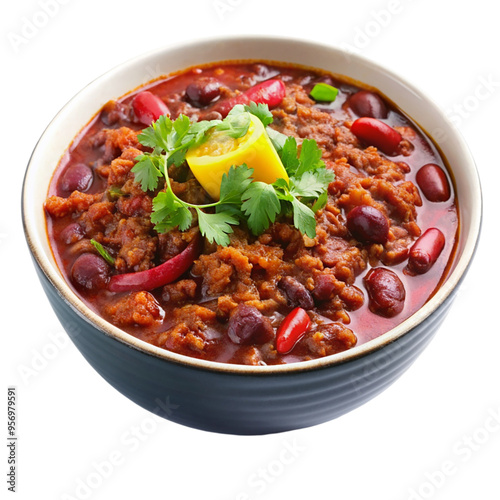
(232, 398)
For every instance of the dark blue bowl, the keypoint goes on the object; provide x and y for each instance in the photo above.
(232, 398)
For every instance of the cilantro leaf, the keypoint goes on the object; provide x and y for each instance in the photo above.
(261, 205)
(198, 131)
(169, 212)
(289, 155)
(147, 171)
(241, 198)
(216, 227)
(235, 125)
(176, 157)
(157, 135)
(181, 127)
(311, 184)
(234, 184)
(310, 157)
(277, 138)
(261, 111)
(303, 218)
(320, 202)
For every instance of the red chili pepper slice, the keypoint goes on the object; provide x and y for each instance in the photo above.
(270, 92)
(292, 329)
(157, 276)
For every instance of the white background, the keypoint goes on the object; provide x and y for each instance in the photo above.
(431, 435)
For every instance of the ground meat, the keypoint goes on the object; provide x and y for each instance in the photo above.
(137, 248)
(179, 292)
(114, 141)
(191, 332)
(345, 260)
(229, 304)
(120, 167)
(226, 270)
(139, 308)
(76, 202)
(330, 339)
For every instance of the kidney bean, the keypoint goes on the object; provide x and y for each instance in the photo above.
(368, 224)
(324, 286)
(377, 133)
(148, 107)
(426, 250)
(203, 91)
(292, 329)
(366, 103)
(297, 294)
(90, 272)
(78, 177)
(433, 182)
(386, 292)
(270, 92)
(248, 326)
(71, 233)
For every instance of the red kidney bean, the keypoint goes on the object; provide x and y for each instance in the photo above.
(90, 272)
(292, 329)
(248, 326)
(203, 91)
(78, 177)
(377, 133)
(386, 292)
(426, 250)
(368, 224)
(270, 92)
(324, 286)
(72, 233)
(366, 103)
(433, 182)
(297, 294)
(148, 107)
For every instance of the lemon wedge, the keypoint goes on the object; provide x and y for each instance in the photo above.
(210, 160)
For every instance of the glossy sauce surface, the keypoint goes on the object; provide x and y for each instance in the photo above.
(340, 311)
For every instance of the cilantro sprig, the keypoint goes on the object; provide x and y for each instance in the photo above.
(241, 199)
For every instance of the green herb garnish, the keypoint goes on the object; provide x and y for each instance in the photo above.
(256, 203)
(103, 252)
(324, 92)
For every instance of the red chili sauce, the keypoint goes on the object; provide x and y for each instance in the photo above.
(356, 280)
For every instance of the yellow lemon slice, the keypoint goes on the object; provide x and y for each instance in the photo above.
(219, 152)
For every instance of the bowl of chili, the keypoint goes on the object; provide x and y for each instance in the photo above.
(262, 240)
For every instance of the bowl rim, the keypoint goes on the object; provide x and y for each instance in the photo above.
(65, 292)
